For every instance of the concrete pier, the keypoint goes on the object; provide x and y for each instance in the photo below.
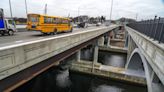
(108, 41)
(95, 55)
(78, 56)
(107, 71)
(101, 41)
(113, 49)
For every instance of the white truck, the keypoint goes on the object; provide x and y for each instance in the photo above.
(7, 26)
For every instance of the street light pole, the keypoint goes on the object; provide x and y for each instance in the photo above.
(26, 7)
(111, 10)
(45, 11)
(136, 16)
(78, 13)
(10, 9)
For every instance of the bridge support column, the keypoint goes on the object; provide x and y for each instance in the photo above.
(101, 41)
(78, 56)
(126, 40)
(131, 46)
(155, 83)
(95, 55)
(108, 41)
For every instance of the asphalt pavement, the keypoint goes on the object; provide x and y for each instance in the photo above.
(26, 36)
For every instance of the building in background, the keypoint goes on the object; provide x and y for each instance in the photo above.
(83, 18)
(124, 20)
(20, 21)
(87, 19)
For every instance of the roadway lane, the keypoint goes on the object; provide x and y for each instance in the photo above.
(27, 36)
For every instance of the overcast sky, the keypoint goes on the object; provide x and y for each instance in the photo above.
(145, 9)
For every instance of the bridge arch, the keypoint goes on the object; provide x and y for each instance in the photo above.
(138, 62)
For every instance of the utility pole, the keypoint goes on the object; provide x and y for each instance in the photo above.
(10, 9)
(68, 15)
(111, 10)
(45, 11)
(136, 16)
(26, 7)
(78, 13)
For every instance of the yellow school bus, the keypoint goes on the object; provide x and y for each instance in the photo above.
(48, 24)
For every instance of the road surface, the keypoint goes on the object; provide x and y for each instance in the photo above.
(26, 36)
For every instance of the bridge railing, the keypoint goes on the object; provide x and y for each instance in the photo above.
(153, 28)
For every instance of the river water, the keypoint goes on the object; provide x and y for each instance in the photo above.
(58, 79)
(106, 58)
(112, 59)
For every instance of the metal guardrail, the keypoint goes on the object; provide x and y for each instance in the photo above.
(153, 28)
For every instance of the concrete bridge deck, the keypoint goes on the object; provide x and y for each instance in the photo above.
(32, 56)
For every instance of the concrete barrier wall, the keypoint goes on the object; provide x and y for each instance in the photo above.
(152, 50)
(17, 57)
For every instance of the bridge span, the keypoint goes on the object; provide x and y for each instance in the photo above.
(146, 55)
(21, 62)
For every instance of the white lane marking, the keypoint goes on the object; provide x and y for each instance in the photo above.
(19, 41)
(41, 37)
